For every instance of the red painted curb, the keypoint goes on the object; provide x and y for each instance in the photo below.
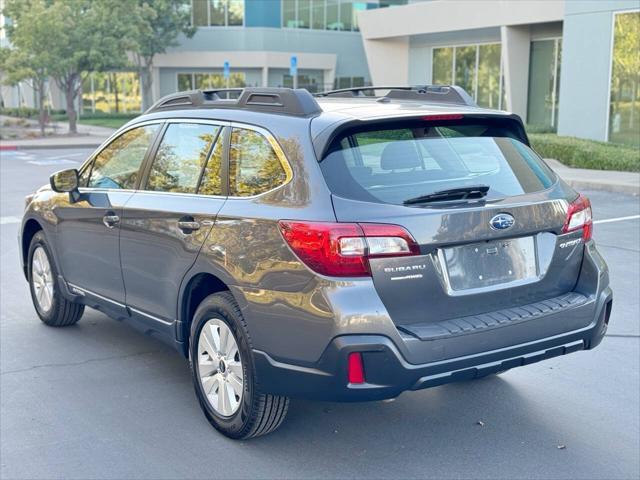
(8, 147)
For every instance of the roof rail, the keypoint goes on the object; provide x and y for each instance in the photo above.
(426, 93)
(298, 102)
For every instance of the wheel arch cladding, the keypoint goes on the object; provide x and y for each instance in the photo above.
(199, 287)
(31, 227)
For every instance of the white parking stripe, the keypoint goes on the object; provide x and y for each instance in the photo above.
(8, 220)
(619, 219)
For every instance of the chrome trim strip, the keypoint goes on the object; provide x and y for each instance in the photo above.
(101, 297)
(115, 134)
(97, 295)
(140, 312)
(261, 130)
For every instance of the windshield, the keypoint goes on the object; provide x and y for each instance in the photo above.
(397, 164)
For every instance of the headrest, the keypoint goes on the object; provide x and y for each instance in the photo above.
(400, 155)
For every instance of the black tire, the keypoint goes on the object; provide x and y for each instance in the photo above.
(62, 312)
(259, 413)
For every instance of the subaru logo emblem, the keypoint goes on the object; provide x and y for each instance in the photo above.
(502, 221)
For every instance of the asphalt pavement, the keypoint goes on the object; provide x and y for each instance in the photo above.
(100, 400)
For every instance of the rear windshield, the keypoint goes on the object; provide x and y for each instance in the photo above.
(392, 165)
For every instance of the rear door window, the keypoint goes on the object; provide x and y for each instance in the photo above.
(392, 165)
(181, 157)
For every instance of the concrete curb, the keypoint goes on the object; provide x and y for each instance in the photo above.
(603, 186)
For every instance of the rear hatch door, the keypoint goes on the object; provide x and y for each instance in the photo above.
(478, 254)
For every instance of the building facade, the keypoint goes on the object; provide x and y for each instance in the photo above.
(571, 66)
(567, 66)
(255, 38)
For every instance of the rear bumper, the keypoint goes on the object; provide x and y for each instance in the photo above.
(388, 373)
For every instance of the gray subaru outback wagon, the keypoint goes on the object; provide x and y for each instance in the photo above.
(347, 247)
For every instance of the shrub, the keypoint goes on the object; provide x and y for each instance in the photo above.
(580, 153)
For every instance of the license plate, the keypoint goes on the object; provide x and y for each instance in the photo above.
(487, 264)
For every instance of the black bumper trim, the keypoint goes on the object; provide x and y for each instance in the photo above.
(388, 374)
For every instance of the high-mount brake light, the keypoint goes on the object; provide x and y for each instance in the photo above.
(344, 249)
(443, 116)
(579, 217)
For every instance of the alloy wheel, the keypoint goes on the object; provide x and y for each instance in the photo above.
(220, 367)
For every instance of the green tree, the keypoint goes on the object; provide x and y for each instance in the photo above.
(26, 59)
(154, 26)
(81, 36)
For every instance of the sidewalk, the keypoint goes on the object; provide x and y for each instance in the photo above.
(88, 136)
(607, 180)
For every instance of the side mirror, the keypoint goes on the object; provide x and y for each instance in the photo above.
(64, 181)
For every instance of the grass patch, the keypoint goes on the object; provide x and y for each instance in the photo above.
(579, 153)
(109, 120)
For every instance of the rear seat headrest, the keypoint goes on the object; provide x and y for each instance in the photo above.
(400, 155)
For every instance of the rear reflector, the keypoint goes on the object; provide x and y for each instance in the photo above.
(355, 368)
(344, 249)
(579, 217)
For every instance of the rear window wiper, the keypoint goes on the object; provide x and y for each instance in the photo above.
(471, 192)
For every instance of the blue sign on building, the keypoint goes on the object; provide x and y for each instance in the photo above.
(293, 69)
(226, 71)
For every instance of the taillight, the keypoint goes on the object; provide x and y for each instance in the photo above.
(579, 217)
(344, 249)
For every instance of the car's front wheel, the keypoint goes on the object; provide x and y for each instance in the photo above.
(224, 375)
(51, 306)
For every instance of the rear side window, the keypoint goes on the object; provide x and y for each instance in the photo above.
(118, 165)
(182, 154)
(254, 166)
(392, 165)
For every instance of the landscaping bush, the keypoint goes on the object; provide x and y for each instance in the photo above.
(579, 153)
(24, 112)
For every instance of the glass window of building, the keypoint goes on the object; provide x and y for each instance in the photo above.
(111, 92)
(304, 14)
(340, 15)
(289, 13)
(333, 15)
(317, 14)
(465, 70)
(235, 13)
(349, 82)
(442, 66)
(205, 80)
(217, 13)
(199, 13)
(544, 83)
(346, 16)
(624, 108)
(476, 68)
(488, 85)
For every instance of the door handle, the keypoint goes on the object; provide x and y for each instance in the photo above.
(188, 226)
(110, 221)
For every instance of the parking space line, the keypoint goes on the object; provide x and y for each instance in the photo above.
(9, 220)
(618, 219)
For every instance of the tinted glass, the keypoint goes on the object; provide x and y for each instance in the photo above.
(211, 183)
(253, 165)
(394, 165)
(624, 125)
(181, 156)
(118, 164)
